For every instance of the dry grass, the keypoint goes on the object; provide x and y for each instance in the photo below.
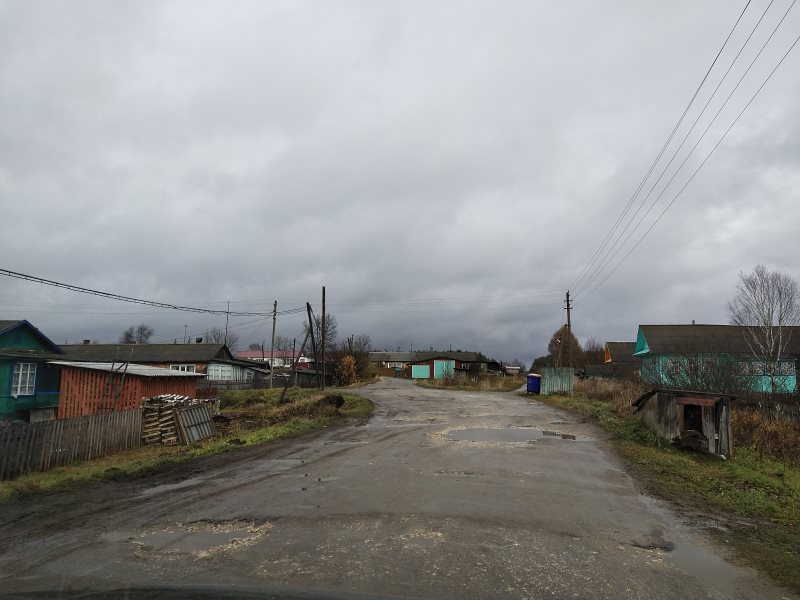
(773, 434)
(475, 383)
(618, 393)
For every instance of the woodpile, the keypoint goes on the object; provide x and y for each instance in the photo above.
(161, 418)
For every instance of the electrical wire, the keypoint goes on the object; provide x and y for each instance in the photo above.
(625, 210)
(121, 298)
(685, 185)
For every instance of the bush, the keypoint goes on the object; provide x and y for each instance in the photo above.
(346, 371)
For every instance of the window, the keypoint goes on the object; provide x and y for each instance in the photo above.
(673, 367)
(23, 382)
(786, 367)
(184, 368)
(220, 372)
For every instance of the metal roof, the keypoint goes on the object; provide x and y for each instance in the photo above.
(426, 355)
(133, 369)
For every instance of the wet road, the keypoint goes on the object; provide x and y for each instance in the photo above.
(529, 503)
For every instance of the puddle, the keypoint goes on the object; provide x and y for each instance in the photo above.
(509, 434)
(184, 541)
(168, 487)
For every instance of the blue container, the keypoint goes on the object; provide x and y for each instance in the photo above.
(534, 384)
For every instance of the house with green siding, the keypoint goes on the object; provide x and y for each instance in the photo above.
(29, 386)
(711, 358)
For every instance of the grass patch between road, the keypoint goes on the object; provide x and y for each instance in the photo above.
(752, 503)
(474, 383)
(258, 418)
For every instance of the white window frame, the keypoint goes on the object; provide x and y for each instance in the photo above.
(23, 381)
(184, 368)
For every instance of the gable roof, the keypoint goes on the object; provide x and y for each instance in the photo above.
(148, 353)
(694, 339)
(257, 354)
(10, 325)
(620, 352)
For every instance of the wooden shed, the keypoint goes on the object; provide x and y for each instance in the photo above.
(698, 420)
(90, 388)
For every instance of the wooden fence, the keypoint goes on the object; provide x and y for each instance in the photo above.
(557, 380)
(50, 444)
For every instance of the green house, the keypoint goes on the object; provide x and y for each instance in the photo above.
(29, 387)
(711, 358)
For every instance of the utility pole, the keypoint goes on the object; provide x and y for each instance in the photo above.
(323, 337)
(227, 315)
(568, 308)
(313, 340)
(272, 348)
(185, 327)
(294, 347)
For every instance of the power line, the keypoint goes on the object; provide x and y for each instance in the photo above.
(120, 298)
(625, 210)
(685, 185)
(608, 256)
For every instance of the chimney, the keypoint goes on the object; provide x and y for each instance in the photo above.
(692, 321)
(87, 342)
(198, 340)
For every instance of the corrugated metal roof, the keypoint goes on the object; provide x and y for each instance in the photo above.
(426, 355)
(133, 369)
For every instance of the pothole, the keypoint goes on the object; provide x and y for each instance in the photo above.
(509, 434)
(200, 539)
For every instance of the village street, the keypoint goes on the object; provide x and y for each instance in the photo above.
(391, 507)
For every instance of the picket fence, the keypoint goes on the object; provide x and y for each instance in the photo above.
(25, 448)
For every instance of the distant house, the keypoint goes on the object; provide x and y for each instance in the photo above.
(282, 358)
(88, 388)
(456, 361)
(29, 387)
(215, 361)
(619, 357)
(710, 357)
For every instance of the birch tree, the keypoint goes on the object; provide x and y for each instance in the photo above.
(766, 305)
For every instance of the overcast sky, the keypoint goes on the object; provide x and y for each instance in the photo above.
(446, 169)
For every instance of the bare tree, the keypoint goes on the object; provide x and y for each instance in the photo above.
(136, 335)
(766, 305)
(564, 346)
(254, 347)
(594, 353)
(216, 335)
(283, 343)
(330, 332)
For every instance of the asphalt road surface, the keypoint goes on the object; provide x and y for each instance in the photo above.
(397, 506)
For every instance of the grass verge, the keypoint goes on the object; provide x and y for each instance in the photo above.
(749, 503)
(258, 418)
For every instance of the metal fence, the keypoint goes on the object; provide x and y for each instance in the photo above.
(25, 448)
(557, 380)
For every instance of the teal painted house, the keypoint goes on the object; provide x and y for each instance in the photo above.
(711, 358)
(29, 387)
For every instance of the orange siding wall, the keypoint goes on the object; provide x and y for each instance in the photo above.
(83, 391)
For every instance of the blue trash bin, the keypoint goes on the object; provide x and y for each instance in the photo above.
(534, 384)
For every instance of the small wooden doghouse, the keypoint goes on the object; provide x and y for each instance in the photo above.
(698, 420)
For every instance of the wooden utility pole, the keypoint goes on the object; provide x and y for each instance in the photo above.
(227, 316)
(272, 348)
(568, 307)
(323, 337)
(313, 340)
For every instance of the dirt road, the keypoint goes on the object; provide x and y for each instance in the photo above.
(395, 507)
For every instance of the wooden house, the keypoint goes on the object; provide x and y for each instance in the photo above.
(710, 357)
(29, 387)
